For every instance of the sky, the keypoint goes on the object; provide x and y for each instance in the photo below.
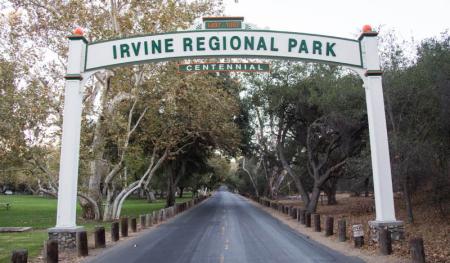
(416, 19)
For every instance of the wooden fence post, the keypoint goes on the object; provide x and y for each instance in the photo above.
(82, 244)
(115, 231)
(308, 219)
(301, 216)
(358, 235)
(133, 223)
(385, 241)
(143, 221)
(149, 220)
(99, 237)
(51, 251)
(19, 256)
(124, 226)
(317, 227)
(329, 225)
(416, 250)
(342, 230)
(294, 213)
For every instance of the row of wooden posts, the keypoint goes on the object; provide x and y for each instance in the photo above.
(384, 238)
(118, 228)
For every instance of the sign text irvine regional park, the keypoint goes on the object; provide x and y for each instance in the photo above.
(227, 43)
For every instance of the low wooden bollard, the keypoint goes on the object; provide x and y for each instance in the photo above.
(301, 216)
(358, 235)
(155, 217)
(149, 220)
(160, 215)
(99, 237)
(385, 241)
(329, 224)
(416, 250)
(19, 256)
(115, 231)
(124, 226)
(143, 221)
(82, 244)
(294, 213)
(308, 219)
(133, 224)
(342, 230)
(51, 251)
(317, 227)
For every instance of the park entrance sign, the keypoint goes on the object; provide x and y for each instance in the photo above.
(220, 38)
(222, 44)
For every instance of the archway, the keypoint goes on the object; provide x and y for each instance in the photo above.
(219, 38)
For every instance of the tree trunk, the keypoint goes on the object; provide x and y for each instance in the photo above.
(297, 181)
(87, 210)
(314, 199)
(407, 196)
(366, 187)
(330, 191)
(171, 185)
(150, 194)
(181, 192)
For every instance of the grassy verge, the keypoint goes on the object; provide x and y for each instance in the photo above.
(40, 213)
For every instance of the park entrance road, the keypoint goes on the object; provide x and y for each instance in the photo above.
(223, 229)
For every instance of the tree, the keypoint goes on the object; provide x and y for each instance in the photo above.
(331, 141)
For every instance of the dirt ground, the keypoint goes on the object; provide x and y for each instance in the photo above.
(428, 224)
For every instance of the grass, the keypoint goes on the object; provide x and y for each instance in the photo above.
(40, 214)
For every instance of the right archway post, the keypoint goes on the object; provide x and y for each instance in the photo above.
(379, 146)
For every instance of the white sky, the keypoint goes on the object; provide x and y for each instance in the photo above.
(410, 18)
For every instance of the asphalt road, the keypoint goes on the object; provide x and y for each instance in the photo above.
(223, 229)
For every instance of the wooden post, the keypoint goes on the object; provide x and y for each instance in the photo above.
(155, 217)
(294, 213)
(99, 237)
(82, 244)
(358, 235)
(115, 231)
(124, 226)
(342, 230)
(416, 250)
(149, 219)
(51, 251)
(301, 216)
(133, 223)
(317, 227)
(19, 256)
(308, 219)
(143, 221)
(329, 224)
(359, 242)
(385, 241)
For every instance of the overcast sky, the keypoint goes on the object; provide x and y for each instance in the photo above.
(411, 18)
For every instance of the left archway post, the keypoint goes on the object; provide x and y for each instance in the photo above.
(66, 228)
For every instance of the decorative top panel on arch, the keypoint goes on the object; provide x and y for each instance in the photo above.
(238, 43)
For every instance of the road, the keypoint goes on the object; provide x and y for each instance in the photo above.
(223, 229)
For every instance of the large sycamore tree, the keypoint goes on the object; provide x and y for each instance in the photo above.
(116, 109)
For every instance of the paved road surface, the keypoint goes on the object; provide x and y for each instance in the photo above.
(223, 229)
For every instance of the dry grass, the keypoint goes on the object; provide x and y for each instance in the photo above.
(429, 224)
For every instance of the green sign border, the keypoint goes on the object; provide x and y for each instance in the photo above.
(221, 56)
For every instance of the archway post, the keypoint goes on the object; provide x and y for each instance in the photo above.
(379, 146)
(66, 228)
